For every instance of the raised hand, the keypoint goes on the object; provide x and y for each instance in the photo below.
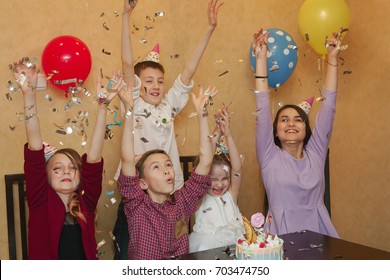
(203, 99)
(213, 12)
(129, 5)
(25, 73)
(106, 94)
(224, 121)
(260, 43)
(334, 44)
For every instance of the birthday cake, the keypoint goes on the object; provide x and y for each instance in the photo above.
(257, 244)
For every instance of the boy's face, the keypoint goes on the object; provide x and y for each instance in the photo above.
(152, 86)
(159, 177)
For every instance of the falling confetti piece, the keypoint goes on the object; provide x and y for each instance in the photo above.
(110, 193)
(100, 244)
(106, 52)
(223, 73)
(159, 14)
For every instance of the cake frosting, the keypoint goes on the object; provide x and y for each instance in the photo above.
(256, 244)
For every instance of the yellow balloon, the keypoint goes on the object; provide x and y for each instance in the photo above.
(320, 18)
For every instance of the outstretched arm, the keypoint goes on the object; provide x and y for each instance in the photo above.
(127, 144)
(194, 59)
(333, 45)
(235, 160)
(94, 153)
(260, 48)
(205, 150)
(126, 48)
(26, 74)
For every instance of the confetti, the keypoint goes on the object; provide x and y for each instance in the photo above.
(110, 192)
(207, 209)
(146, 28)
(62, 132)
(8, 96)
(274, 67)
(113, 200)
(223, 73)
(12, 88)
(100, 244)
(48, 98)
(150, 18)
(106, 52)
(174, 56)
(159, 14)
(67, 81)
(143, 139)
(347, 72)
(105, 26)
(143, 41)
(12, 127)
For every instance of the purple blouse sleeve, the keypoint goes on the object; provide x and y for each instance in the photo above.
(319, 141)
(264, 129)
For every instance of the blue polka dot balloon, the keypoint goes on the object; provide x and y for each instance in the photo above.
(282, 57)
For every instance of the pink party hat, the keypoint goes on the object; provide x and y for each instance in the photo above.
(49, 150)
(306, 105)
(154, 55)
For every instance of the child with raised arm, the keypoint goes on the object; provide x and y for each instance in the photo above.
(218, 221)
(62, 192)
(291, 157)
(154, 111)
(157, 218)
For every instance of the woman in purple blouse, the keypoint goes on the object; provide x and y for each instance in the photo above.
(291, 157)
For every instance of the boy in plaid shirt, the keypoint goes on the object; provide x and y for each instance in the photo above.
(158, 220)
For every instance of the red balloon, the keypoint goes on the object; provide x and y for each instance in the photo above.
(67, 61)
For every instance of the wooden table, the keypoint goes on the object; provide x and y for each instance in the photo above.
(305, 245)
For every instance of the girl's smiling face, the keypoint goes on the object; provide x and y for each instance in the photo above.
(220, 179)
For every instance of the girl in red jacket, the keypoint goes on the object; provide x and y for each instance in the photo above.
(62, 192)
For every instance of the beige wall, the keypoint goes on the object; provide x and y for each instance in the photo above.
(360, 169)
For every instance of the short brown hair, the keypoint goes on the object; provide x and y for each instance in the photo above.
(140, 163)
(140, 66)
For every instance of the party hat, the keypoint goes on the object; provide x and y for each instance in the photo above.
(221, 146)
(154, 55)
(49, 150)
(306, 105)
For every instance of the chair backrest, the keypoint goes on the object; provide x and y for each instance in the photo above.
(187, 162)
(15, 183)
(327, 188)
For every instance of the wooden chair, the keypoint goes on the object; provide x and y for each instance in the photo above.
(15, 193)
(187, 164)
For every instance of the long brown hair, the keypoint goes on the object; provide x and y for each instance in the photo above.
(74, 199)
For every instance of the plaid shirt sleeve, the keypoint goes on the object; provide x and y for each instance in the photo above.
(129, 187)
(194, 188)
